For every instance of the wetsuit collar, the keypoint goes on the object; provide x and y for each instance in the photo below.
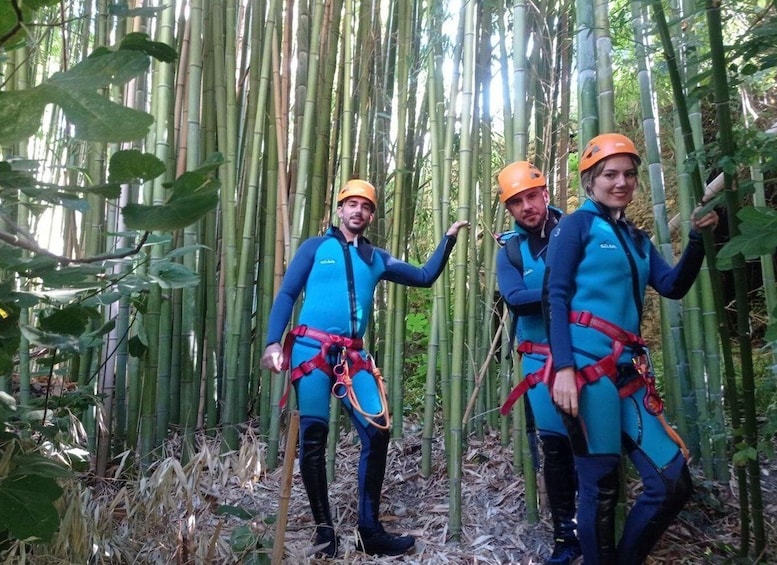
(362, 245)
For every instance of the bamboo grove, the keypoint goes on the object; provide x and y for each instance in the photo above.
(279, 103)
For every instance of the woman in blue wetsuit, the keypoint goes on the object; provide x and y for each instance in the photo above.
(520, 270)
(338, 273)
(599, 265)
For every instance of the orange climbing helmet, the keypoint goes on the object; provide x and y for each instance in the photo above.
(517, 177)
(358, 187)
(606, 145)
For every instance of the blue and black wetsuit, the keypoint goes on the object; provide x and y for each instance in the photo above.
(339, 279)
(603, 266)
(520, 283)
(522, 291)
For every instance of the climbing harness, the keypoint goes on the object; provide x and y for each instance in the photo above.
(349, 361)
(343, 388)
(605, 367)
(532, 379)
(641, 362)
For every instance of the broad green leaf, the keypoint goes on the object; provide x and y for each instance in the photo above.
(103, 330)
(174, 215)
(62, 342)
(36, 464)
(132, 284)
(243, 539)
(100, 70)
(28, 510)
(141, 42)
(95, 117)
(71, 320)
(104, 190)
(758, 234)
(211, 163)
(103, 299)
(185, 250)
(20, 114)
(173, 275)
(132, 166)
(136, 347)
(193, 196)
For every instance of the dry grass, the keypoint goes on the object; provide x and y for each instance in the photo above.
(172, 515)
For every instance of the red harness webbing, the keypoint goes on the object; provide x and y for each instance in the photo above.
(605, 367)
(349, 351)
(320, 361)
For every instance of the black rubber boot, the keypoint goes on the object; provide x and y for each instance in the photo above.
(381, 542)
(664, 494)
(312, 467)
(372, 538)
(561, 485)
(599, 486)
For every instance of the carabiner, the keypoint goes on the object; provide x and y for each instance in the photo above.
(652, 402)
(643, 363)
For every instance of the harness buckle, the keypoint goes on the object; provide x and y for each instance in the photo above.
(583, 318)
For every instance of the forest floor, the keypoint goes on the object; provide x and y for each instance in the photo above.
(222, 508)
(494, 527)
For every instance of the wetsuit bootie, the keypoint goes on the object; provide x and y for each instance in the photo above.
(599, 488)
(372, 538)
(561, 486)
(312, 467)
(380, 542)
(326, 535)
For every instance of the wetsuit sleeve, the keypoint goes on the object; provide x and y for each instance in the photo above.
(404, 273)
(674, 282)
(293, 282)
(524, 301)
(565, 249)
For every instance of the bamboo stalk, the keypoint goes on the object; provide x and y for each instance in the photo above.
(285, 494)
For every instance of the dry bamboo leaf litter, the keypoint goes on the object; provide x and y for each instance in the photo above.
(172, 514)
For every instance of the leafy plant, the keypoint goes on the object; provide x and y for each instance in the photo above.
(28, 478)
(38, 443)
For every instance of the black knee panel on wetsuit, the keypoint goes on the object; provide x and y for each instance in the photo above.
(312, 466)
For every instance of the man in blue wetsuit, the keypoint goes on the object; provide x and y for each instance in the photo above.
(598, 267)
(338, 273)
(520, 271)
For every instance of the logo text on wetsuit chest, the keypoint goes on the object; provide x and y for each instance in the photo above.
(607, 245)
(327, 262)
